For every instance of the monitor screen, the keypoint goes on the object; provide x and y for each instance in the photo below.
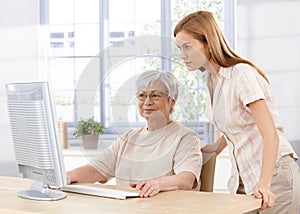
(35, 137)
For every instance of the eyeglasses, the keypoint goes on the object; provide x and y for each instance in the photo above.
(154, 95)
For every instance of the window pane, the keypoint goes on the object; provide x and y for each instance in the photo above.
(122, 94)
(137, 16)
(73, 42)
(181, 8)
(64, 100)
(74, 38)
(61, 40)
(62, 73)
(86, 11)
(61, 12)
(86, 39)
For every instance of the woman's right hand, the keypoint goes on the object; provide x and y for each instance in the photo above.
(217, 147)
(210, 147)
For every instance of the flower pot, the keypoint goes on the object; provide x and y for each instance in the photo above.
(90, 141)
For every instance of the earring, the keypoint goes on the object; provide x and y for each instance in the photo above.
(202, 69)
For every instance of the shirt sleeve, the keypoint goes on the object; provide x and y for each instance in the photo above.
(248, 87)
(188, 157)
(106, 161)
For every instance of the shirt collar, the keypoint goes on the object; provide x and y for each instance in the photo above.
(226, 72)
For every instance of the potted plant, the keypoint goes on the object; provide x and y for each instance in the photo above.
(90, 130)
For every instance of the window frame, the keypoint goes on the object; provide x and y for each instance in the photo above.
(166, 22)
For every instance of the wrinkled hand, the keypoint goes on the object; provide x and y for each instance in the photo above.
(268, 198)
(147, 188)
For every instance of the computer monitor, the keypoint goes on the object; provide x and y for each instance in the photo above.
(36, 141)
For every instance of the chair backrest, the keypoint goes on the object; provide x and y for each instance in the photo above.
(208, 171)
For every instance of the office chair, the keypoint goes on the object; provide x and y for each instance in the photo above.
(208, 171)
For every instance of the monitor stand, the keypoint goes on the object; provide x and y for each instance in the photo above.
(41, 192)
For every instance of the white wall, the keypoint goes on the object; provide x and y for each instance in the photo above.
(18, 62)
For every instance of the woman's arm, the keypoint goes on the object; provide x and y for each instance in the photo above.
(181, 181)
(217, 147)
(85, 174)
(266, 126)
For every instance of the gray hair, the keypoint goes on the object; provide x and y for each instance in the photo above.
(167, 78)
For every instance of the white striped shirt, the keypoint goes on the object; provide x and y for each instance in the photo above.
(238, 86)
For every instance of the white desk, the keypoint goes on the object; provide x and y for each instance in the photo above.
(167, 202)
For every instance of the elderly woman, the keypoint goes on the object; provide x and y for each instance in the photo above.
(162, 156)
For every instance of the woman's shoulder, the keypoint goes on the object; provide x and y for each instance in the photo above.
(237, 71)
(244, 71)
(243, 67)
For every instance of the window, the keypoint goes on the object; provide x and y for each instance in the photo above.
(100, 38)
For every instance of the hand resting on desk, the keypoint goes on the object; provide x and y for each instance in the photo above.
(167, 183)
(147, 188)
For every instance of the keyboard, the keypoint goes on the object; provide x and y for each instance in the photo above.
(100, 191)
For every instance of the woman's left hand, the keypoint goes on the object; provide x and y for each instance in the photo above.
(147, 188)
(268, 198)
